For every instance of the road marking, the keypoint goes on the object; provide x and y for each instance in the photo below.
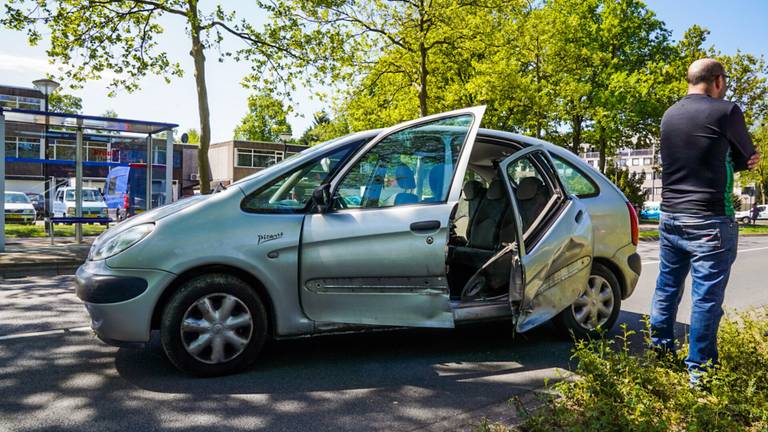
(740, 251)
(43, 333)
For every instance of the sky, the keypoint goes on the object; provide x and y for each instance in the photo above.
(734, 25)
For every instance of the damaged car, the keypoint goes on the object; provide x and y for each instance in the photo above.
(430, 223)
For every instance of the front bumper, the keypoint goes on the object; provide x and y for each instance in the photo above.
(19, 218)
(120, 301)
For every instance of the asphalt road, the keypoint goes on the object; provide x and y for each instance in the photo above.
(55, 375)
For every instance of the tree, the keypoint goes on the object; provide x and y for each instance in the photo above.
(65, 103)
(323, 128)
(193, 136)
(395, 46)
(266, 119)
(110, 113)
(630, 183)
(90, 37)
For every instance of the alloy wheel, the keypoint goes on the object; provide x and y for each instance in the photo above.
(594, 307)
(216, 328)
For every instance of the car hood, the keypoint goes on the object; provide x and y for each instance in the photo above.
(153, 215)
(19, 206)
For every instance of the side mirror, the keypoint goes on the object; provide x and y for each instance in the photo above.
(321, 197)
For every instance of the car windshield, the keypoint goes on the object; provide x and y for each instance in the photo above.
(16, 198)
(90, 195)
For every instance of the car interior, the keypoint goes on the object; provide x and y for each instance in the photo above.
(482, 238)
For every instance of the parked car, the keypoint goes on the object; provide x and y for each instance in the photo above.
(430, 223)
(38, 201)
(19, 209)
(64, 204)
(745, 216)
(651, 211)
(125, 190)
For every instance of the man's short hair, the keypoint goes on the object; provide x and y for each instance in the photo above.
(704, 71)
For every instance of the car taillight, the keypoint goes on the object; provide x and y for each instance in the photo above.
(125, 201)
(635, 227)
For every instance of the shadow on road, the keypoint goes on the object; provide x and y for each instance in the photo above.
(395, 380)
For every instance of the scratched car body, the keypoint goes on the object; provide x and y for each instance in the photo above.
(429, 223)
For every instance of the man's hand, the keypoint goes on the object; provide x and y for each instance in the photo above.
(753, 161)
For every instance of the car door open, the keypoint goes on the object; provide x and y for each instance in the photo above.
(552, 256)
(377, 255)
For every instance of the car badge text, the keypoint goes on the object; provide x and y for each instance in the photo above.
(263, 238)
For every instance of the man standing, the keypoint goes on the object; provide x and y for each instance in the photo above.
(754, 213)
(703, 141)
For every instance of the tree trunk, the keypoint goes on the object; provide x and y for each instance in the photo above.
(423, 80)
(576, 139)
(602, 144)
(198, 55)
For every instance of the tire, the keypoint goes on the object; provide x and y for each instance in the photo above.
(185, 305)
(745, 220)
(608, 293)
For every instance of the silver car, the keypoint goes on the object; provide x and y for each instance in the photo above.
(429, 223)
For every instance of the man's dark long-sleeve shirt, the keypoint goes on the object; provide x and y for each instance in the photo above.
(703, 142)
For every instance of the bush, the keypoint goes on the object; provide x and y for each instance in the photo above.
(619, 391)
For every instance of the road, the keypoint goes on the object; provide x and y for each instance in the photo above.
(55, 375)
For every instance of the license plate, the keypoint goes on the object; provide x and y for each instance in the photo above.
(13, 216)
(92, 216)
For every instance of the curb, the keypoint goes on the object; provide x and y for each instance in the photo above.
(31, 269)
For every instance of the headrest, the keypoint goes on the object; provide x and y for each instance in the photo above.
(436, 175)
(528, 188)
(495, 190)
(404, 177)
(473, 189)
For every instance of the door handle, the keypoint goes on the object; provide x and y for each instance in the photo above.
(579, 216)
(425, 226)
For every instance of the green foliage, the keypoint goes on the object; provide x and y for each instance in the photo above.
(64, 103)
(193, 136)
(630, 183)
(618, 390)
(266, 119)
(323, 128)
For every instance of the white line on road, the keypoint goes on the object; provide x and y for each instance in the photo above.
(740, 251)
(43, 333)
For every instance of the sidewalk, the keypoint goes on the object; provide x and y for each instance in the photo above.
(37, 257)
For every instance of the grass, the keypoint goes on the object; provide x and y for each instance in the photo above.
(21, 231)
(743, 230)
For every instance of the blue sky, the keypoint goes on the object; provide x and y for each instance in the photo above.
(737, 24)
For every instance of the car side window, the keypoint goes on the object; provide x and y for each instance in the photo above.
(532, 189)
(291, 192)
(575, 181)
(411, 166)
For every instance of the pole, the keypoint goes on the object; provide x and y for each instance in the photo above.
(148, 199)
(79, 181)
(47, 187)
(2, 180)
(169, 167)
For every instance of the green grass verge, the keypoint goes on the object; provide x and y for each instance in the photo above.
(619, 386)
(743, 230)
(20, 231)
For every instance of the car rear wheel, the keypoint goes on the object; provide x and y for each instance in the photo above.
(746, 220)
(597, 307)
(213, 325)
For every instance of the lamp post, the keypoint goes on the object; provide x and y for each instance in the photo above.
(284, 138)
(46, 87)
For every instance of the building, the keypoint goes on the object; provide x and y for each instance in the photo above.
(640, 161)
(25, 148)
(233, 160)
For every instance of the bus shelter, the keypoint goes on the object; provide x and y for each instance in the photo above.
(70, 145)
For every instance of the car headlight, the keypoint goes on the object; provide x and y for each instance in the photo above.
(120, 242)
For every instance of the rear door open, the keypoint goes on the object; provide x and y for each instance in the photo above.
(552, 254)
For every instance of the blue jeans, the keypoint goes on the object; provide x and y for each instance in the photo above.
(705, 246)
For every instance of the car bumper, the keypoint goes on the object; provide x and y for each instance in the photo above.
(120, 301)
(629, 261)
(16, 218)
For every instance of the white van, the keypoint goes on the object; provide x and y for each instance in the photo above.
(93, 203)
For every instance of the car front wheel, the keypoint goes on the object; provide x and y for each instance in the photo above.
(213, 325)
(746, 220)
(597, 307)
